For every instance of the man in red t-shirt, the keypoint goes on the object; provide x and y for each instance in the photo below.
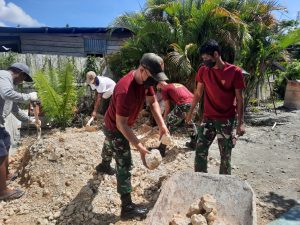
(127, 100)
(182, 99)
(222, 85)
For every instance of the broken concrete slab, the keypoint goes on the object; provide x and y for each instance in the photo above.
(235, 198)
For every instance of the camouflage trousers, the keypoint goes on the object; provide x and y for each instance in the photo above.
(207, 132)
(177, 116)
(116, 146)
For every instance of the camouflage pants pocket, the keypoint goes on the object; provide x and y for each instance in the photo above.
(206, 134)
(122, 154)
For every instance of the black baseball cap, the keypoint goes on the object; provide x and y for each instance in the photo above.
(153, 63)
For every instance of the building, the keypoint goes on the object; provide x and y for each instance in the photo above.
(71, 41)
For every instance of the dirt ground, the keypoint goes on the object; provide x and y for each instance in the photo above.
(57, 172)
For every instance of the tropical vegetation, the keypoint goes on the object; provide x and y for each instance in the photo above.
(248, 32)
(58, 93)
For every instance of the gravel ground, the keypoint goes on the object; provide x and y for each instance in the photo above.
(57, 172)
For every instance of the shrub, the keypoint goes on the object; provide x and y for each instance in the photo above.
(292, 73)
(57, 92)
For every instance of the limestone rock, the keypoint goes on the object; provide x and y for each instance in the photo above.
(211, 217)
(194, 209)
(198, 219)
(179, 219)
(208, 203)
(153, 159)
(166, 139)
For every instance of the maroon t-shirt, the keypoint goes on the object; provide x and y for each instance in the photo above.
(177, 93)
(127, 100)
(219, 90)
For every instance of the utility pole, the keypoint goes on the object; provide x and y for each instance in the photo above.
(298, 16)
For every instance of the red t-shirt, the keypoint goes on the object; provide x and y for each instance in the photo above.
(177, 93)
(219, 90)
(127, 100)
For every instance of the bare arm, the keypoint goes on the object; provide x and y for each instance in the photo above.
(197, 96)
(97, 104)
(240, 130)
(167, 109)
(123, 127)
(155, 109)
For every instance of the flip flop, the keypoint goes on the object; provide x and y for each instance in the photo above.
(17, 193)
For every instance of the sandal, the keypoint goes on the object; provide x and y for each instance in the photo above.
(12, 176)
(14, 194)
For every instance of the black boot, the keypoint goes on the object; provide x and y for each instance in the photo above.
(162, 150)
(192, 143)
(130, 210)
(104, 167)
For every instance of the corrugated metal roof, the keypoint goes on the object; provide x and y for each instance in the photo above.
(65, 30)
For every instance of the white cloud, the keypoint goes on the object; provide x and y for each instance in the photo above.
(2, 24)
(11, 13)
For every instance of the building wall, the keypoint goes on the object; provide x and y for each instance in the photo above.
(63, 41)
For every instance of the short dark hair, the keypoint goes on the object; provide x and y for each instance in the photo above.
(210, 47)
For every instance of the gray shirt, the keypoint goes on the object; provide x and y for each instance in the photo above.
(9, 97)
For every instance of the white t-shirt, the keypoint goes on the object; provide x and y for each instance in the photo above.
(106, 86)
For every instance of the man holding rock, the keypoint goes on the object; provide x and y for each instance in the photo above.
(127, 100)
(222, 85)
(16, 74)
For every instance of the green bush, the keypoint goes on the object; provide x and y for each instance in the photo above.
(292, 73)
(57, 92)
(6, 60)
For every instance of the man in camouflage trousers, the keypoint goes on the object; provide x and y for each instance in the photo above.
(127, 100)
(182, 99)
(222, 85)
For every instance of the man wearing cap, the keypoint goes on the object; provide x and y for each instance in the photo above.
(222, 84)
(104, 87)
(178, 95)
(16, 74)
(127, 100)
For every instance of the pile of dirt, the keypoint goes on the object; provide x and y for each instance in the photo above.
(57, 172)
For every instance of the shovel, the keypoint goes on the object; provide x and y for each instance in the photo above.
(88, 126)
(37, 121)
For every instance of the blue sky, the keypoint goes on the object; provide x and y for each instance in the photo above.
(84, 13)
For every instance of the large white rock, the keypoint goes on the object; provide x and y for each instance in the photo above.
(153, 159)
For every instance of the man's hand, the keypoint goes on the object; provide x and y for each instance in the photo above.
(33, 96)
(188, 117)
(240, 129)
(37, 123)
(94, 114)
(163, 130)
(143, 151)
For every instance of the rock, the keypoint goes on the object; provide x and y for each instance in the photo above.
(53, 157)
(198, 219)
(208, 203)
(194, 209)
(46, 192)
(153, 159)
(166, 139)
(178, 219)
(211, 217)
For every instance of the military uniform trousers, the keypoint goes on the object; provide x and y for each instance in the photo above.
(207, 132)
